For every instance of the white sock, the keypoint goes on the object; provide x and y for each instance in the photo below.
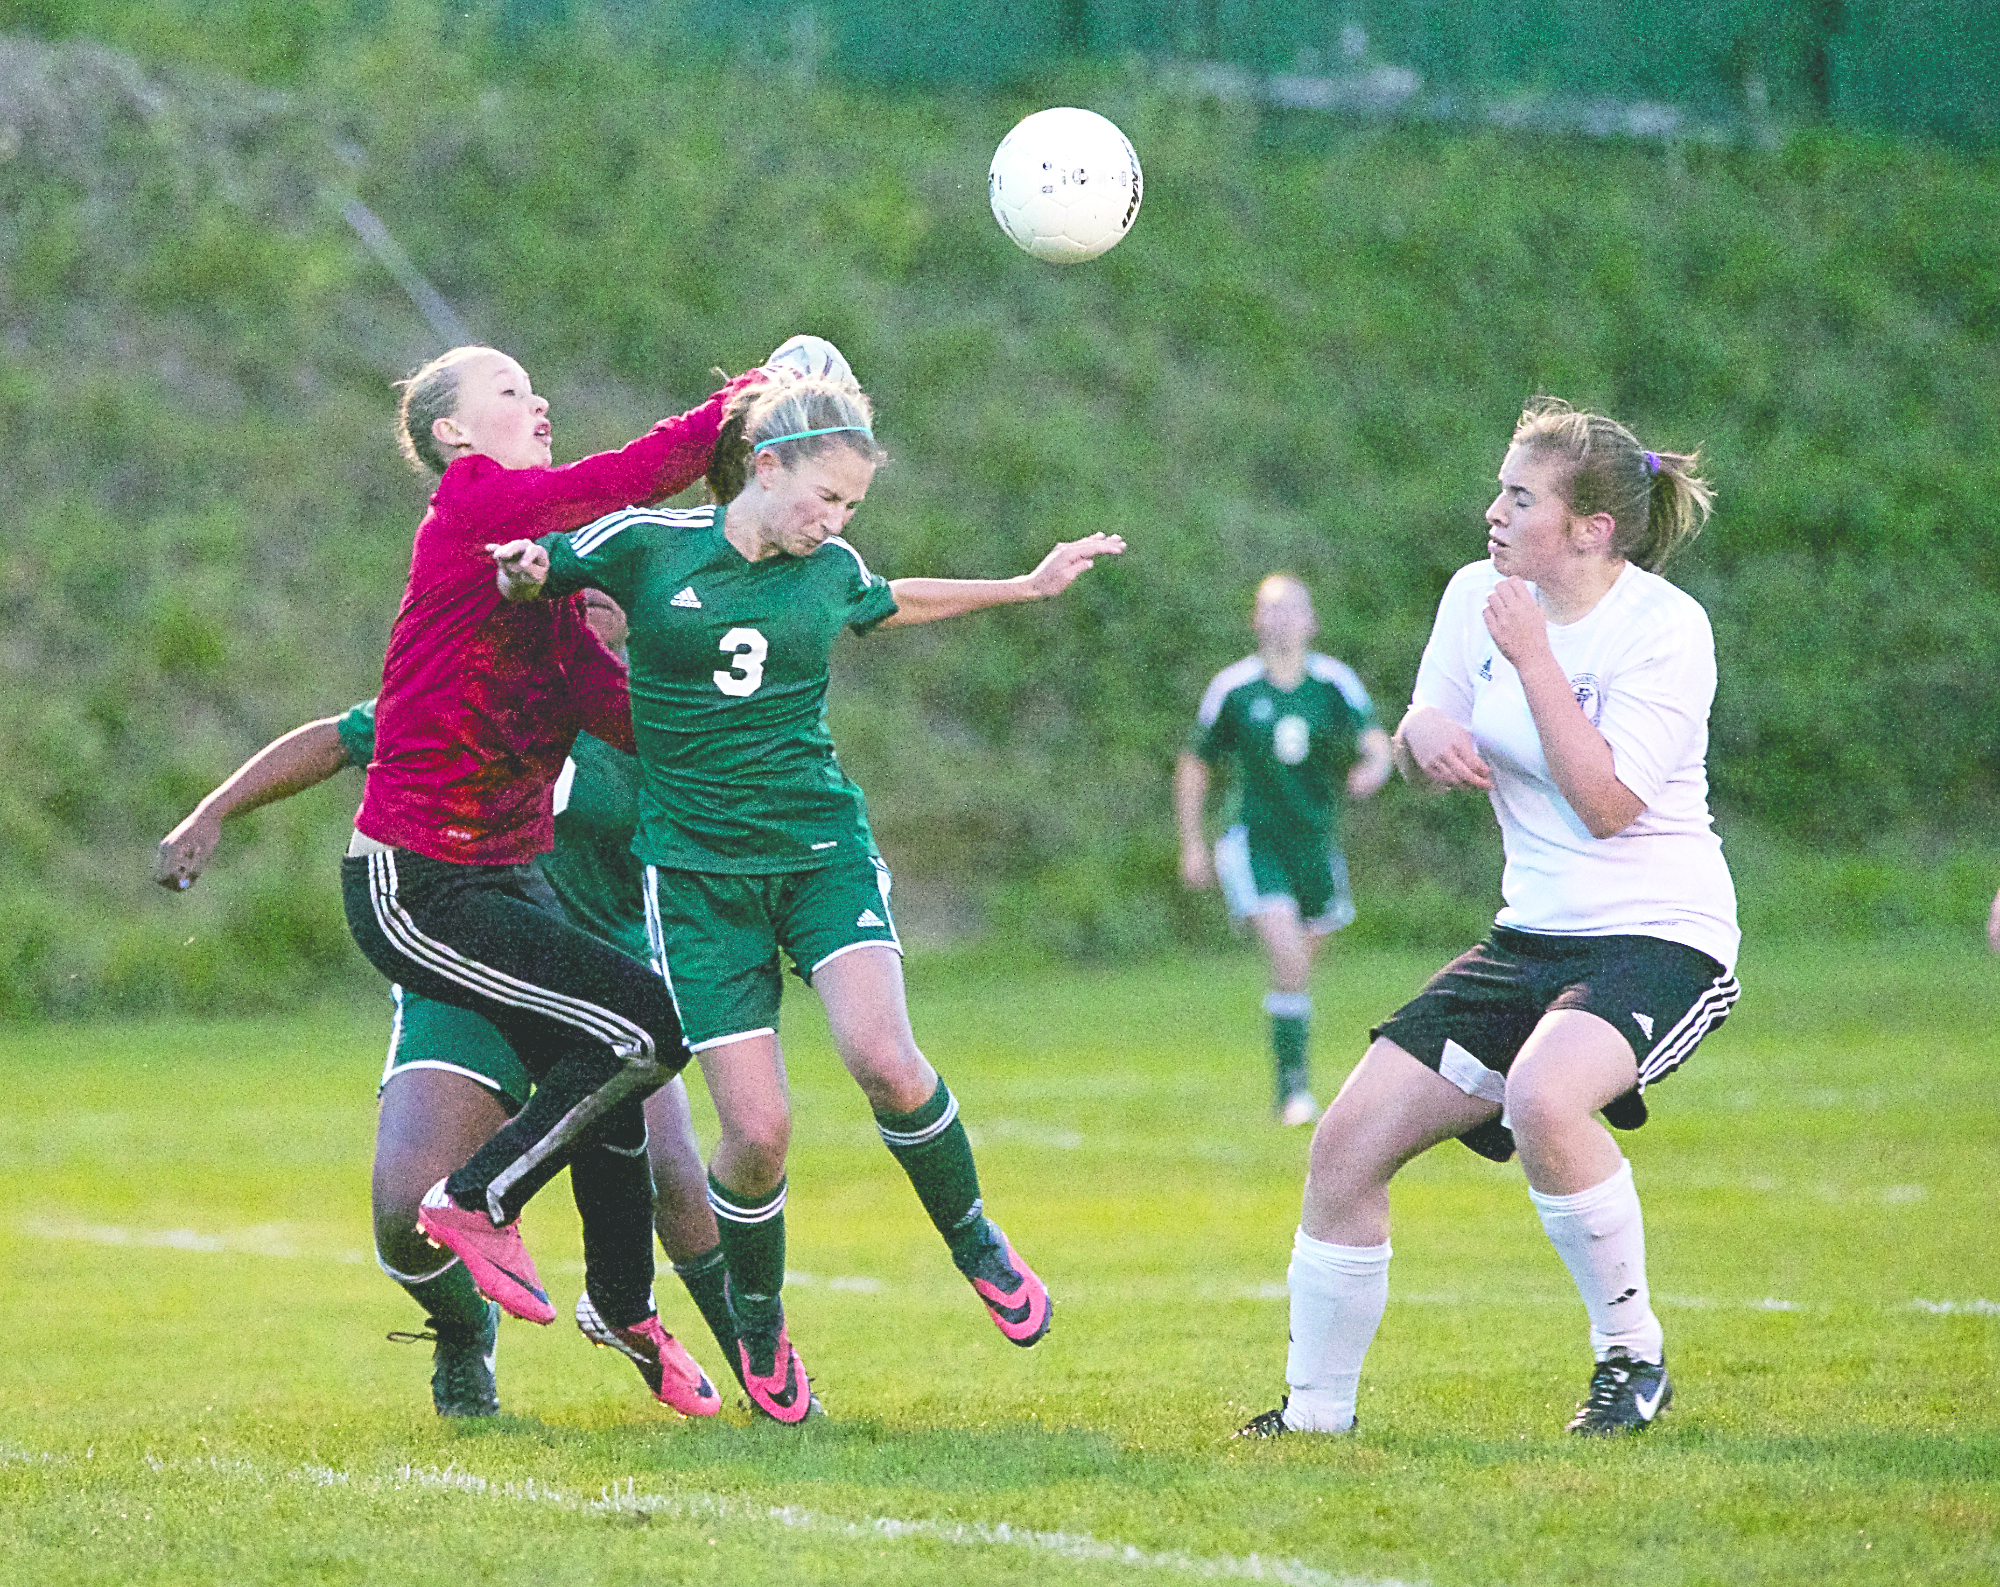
(1338, 1294)
(1601, 1238)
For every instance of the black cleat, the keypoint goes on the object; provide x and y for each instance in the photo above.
(1272, 1424)
(1267, 1424)
(1624, 1397)
(461, 1365)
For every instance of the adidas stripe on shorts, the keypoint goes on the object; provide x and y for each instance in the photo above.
(1475, 1014)
(716, 938)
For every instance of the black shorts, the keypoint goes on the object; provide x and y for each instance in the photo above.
(1475, 1014)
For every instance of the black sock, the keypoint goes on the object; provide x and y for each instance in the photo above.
(612, 1182)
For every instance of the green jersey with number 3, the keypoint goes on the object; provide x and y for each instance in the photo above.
(728, 687)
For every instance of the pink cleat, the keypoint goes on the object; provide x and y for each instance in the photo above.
(495, 1257)
(1017, 1299)
(670, 1372)
(780, 1391)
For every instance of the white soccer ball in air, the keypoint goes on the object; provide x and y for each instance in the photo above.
(1065, 185)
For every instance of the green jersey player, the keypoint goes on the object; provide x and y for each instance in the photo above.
(451, 1077)
(755, 840)
(1293, 728)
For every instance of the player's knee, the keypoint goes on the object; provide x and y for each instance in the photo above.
(1537, 1110)
(758, 1145)
(892, 1072)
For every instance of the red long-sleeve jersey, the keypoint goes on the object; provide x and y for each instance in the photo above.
(481, 697)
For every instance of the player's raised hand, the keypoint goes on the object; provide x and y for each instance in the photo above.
(1059, 569)
(184, 852)
(1515, 620)
(522, 568)
(1441, 751)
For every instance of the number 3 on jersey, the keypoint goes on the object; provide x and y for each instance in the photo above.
(746, 649)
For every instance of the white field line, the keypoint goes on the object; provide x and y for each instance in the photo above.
(625, 1498)
(267, 1240)
(271, 1240)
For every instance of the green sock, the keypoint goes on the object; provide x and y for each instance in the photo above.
(450, 1300)
(705, 1277)
(1291, 1021)
(753, 1238)
(931, 1145)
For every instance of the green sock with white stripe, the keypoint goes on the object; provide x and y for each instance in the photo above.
(931, 1145)
(1291, 1026)
(753, 1238)
(703, 1275)
(451, 1301)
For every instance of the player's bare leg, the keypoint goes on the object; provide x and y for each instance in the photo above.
(681, 1214)
(1582, 1187)
(1289, 948)
(1391, 1109)
(430, 1122)
(746, 1190)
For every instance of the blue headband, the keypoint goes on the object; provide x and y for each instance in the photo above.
(800, 435)
(1652, 462)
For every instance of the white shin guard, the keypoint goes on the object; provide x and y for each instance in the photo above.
(1601, 1237)
(1338, 1296)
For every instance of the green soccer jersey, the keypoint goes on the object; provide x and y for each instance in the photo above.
(1288, 749)
(592, 869)
(728, 687)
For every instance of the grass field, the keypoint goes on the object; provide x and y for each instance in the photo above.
(197, 1387)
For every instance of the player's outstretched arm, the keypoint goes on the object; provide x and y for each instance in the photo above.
(521, 568)
(1372, 769)
(304, 757)
(927, 600)
(1190, 798)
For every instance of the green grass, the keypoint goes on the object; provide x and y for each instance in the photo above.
(211, 1400)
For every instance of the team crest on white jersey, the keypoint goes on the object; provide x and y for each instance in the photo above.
(1291, 740)
(1589, 694)
(687, 598)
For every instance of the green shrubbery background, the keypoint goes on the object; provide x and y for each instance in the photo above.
(1307, 354)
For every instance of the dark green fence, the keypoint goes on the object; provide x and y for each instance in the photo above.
(1929, 67)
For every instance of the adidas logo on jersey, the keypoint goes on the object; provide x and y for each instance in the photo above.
(868, 917)
(1644, 1022)
(687, 598)
(1486, 669)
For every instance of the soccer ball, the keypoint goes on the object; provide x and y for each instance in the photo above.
(1065, 185)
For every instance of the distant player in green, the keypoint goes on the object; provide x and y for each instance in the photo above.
(756, 842)
(1292, 728)
(451, 1078)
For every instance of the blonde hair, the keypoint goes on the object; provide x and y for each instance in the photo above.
(1656, 499)
(429, 395)
(773, 417)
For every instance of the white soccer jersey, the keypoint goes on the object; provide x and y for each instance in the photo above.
(1642, 666)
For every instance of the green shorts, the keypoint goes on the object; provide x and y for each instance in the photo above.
(428, 1035)
(1259, 875)
(716, 938)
